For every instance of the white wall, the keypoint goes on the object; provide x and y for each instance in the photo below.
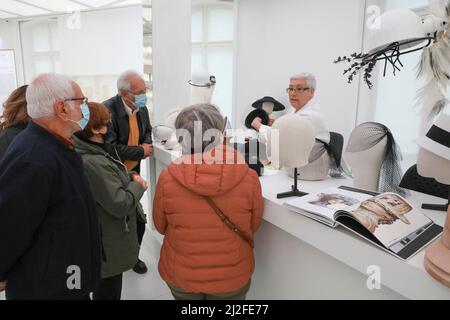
(171, 56)
(102, 46)
(277, 39)
(107, 43)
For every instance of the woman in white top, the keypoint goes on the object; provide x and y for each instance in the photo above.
(301, 92)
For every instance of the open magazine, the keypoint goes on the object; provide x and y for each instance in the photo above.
(387, 219)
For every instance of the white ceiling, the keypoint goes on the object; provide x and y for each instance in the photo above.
(28, 8)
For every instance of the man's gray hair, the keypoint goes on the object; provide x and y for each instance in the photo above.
(308, 77)
(198, 122)
(44, 91)
(124, 83)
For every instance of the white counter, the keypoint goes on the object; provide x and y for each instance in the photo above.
(299, 258)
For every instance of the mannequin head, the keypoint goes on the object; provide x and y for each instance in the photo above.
(430, 165)
(201, 94)
(171, 142)
(318, 166)
(268, 107)
(171, 117)
(374, 158)
(162, 133)
(202, 87)
(366, 165)
(291, 141)
(434, 156)
(272, 107)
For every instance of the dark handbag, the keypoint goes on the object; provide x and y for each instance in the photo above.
(228, 222)
(141, 216)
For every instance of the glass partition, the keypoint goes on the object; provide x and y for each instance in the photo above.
(212, 47)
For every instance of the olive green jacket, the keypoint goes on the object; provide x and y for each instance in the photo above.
(117, 201)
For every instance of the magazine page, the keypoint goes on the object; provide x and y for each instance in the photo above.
(327, 202)
(391, 219)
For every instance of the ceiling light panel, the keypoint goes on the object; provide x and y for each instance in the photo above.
(96, 3)
(5, 15)
(21, 9)
(56, 5)
(128, 3)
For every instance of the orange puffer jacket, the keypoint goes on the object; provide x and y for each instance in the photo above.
(200, 253)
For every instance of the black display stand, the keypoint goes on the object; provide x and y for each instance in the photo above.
(295, 192)
(413, 181)
(437, 207)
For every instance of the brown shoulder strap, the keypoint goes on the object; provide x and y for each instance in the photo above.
(228, 222)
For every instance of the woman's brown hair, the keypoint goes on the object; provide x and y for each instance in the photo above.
(15, 109)
(99, 116)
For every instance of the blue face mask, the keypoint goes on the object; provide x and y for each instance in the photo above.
(140, 101)
(82, 123)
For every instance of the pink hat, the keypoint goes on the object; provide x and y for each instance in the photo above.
(437, 257)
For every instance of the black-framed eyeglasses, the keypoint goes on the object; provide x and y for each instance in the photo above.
(83, 100)
(296, 90)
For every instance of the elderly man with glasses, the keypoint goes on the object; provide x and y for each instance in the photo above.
(49, 233)
(302, 88)
(130, 132)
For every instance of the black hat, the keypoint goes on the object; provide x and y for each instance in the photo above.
(258, 113)
(278, 106)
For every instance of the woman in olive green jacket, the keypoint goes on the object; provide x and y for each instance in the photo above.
(117, 194)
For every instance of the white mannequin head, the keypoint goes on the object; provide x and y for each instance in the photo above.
(202, 87)
(172, 142)
(318, 166)
(430, 165)
(201, 95)
(268, 107)
(290, 141)
(366, 165)
(162, 133)
(171, 117)
(434, 156)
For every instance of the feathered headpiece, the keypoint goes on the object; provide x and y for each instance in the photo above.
(434, 65)
(394, 34)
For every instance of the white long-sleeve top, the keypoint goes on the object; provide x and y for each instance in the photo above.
(312, 111)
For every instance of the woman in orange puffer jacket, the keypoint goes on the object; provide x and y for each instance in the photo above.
(201, 257)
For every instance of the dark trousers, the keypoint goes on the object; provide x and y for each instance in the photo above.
(109, 289)
(139, 224)
(180, 294)
(140, 229)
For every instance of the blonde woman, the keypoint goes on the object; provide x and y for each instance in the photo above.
(14, 119)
